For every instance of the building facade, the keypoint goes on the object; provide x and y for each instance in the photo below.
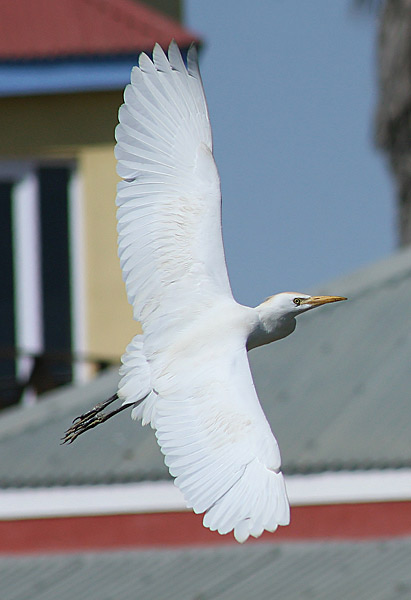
(62, 74)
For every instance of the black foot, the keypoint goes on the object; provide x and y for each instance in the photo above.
(91, 419)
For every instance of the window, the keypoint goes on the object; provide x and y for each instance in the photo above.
(41, 292)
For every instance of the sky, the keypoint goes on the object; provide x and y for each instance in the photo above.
(291, 89)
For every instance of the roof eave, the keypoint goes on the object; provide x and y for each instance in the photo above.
(74, 74)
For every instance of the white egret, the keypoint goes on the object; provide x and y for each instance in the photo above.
(188, 373)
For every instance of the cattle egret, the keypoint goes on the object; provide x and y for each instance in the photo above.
(188, 373)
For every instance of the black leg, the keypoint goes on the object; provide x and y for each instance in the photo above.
(92, 418)
(96, 409)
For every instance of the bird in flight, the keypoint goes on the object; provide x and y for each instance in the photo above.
(188, 374)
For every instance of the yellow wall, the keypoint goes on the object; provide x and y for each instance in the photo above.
(80, 127)
(109, 317)
(57, 124)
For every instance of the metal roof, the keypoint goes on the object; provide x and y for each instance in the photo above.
(320, 571)
(32, 455)
(49, 47)
(46, 29)
(336, 392)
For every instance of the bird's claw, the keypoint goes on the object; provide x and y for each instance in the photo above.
(91, 419)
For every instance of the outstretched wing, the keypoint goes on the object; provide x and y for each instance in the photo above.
(169, 215)
(217, 441)
(203, 404)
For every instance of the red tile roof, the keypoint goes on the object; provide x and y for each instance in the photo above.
(47, 29)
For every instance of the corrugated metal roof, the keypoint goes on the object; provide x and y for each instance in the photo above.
(338, 391)
(47, 29)
(32, 455)
(337, 394)
(344, 571)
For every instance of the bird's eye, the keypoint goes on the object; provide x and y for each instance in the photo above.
(297, 301)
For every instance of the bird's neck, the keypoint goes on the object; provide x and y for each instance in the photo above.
(270, 326)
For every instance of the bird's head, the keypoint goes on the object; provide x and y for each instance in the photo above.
(276, 315)
(293, 303)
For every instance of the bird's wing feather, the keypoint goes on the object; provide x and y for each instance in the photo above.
(203, 404)
(217, 441)
(169, 206)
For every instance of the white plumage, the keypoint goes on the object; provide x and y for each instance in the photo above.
(208, 421)
(188, 374)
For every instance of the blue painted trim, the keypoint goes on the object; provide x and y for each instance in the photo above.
(23, 79)
(79, 74)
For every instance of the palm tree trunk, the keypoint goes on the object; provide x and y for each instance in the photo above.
(393, 119)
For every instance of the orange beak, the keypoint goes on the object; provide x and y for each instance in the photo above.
(320, 300)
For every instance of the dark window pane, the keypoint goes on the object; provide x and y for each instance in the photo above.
(53, 186)
(7, 339)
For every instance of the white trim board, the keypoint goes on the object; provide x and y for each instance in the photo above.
(81, 370)
(27, 269)
(163, 496)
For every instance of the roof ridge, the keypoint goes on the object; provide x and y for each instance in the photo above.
(362, 280)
